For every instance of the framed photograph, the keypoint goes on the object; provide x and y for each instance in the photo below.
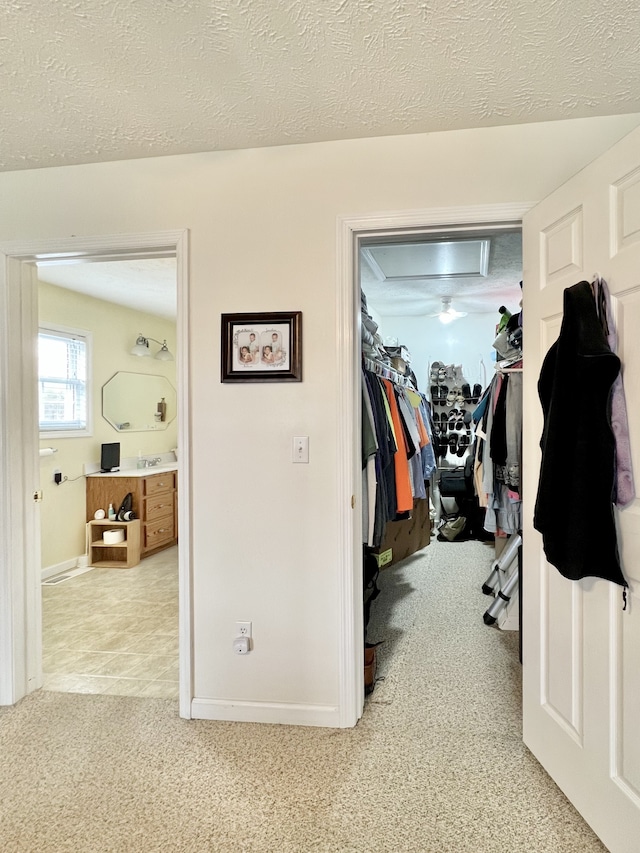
(262, 347)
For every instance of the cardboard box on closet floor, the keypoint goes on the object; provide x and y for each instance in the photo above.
(406, 537)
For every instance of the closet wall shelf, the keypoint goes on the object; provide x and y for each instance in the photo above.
(386, 372)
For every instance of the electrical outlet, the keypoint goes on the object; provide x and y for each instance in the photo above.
(243, 629)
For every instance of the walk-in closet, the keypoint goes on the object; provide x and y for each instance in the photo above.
(441, 342)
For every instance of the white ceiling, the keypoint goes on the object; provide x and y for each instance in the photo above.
(105, 80)
(142, 284)
(149, 285)
(474, 294)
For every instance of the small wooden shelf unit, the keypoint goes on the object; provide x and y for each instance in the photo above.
(124, 555)
(155, 503)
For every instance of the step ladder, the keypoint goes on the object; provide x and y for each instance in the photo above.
(503, 580)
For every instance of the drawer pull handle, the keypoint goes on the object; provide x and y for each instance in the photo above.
(162, 530)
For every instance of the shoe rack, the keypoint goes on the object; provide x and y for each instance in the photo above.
(453, 400)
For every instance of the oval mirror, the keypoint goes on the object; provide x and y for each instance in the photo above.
(137, 402)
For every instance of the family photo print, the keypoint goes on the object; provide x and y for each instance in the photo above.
(262, 347)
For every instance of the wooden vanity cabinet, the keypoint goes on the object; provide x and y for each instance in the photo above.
(154, 503)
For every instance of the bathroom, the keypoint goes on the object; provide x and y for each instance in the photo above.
(107, 629)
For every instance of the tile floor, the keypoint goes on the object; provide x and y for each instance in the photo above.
(114, 630)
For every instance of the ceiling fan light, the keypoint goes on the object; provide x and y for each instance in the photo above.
(446, 317)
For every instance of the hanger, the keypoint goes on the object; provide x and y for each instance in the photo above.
(506, 365)
(386, 372)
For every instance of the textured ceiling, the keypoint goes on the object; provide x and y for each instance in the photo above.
(141, 284)
(474, 295)
(95, 80)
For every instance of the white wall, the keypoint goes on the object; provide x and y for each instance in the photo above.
(263, 238)
(465, 342)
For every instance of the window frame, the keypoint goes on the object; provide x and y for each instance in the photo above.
(55, 330)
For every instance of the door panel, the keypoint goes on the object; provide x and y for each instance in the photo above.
(562, 661)
(580, 650)
(626, 211)
(561, 248)
(626, 703)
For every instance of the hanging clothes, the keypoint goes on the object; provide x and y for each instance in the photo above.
(498, 452)
(404, 496)
(574, 506)
(410, 422)
(369, 477)
(385, 496)
(427, 452)
(397, 453)
(625, 490)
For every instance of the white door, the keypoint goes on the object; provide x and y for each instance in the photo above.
(581, 652)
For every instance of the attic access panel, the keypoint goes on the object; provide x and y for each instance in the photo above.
(439, 259)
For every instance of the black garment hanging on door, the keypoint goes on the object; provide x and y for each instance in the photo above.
(574, 507)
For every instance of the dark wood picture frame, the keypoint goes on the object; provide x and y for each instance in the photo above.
(262, 347)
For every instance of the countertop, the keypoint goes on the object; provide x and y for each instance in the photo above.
(138, 472)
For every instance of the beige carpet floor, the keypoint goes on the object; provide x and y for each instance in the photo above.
(436, 765)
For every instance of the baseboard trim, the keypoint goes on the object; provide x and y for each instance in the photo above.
(282, 713)
(59, 568)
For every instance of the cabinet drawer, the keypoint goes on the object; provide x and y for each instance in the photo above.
(158, 532)
(158, 506)
(159, 483)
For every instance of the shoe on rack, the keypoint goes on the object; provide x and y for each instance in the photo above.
(435, 369)
(463, 443)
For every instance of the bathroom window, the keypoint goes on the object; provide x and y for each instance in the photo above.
(64, 370)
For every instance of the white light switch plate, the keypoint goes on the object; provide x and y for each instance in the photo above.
(300, 448)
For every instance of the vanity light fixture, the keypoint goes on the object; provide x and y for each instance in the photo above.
(141, 348)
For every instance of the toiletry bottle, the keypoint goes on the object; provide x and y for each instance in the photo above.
(111, 513)
(162, 409)
(140, 460)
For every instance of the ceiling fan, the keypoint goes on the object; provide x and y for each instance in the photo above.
(447, 314)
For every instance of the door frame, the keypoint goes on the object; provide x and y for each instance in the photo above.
(350, 230)
(20, 573)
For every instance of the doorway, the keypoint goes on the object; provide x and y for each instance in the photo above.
(431, 307)
(351, 233)
(110, 618)
(21, 636)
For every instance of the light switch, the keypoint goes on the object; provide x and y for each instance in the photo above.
(300, 448)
